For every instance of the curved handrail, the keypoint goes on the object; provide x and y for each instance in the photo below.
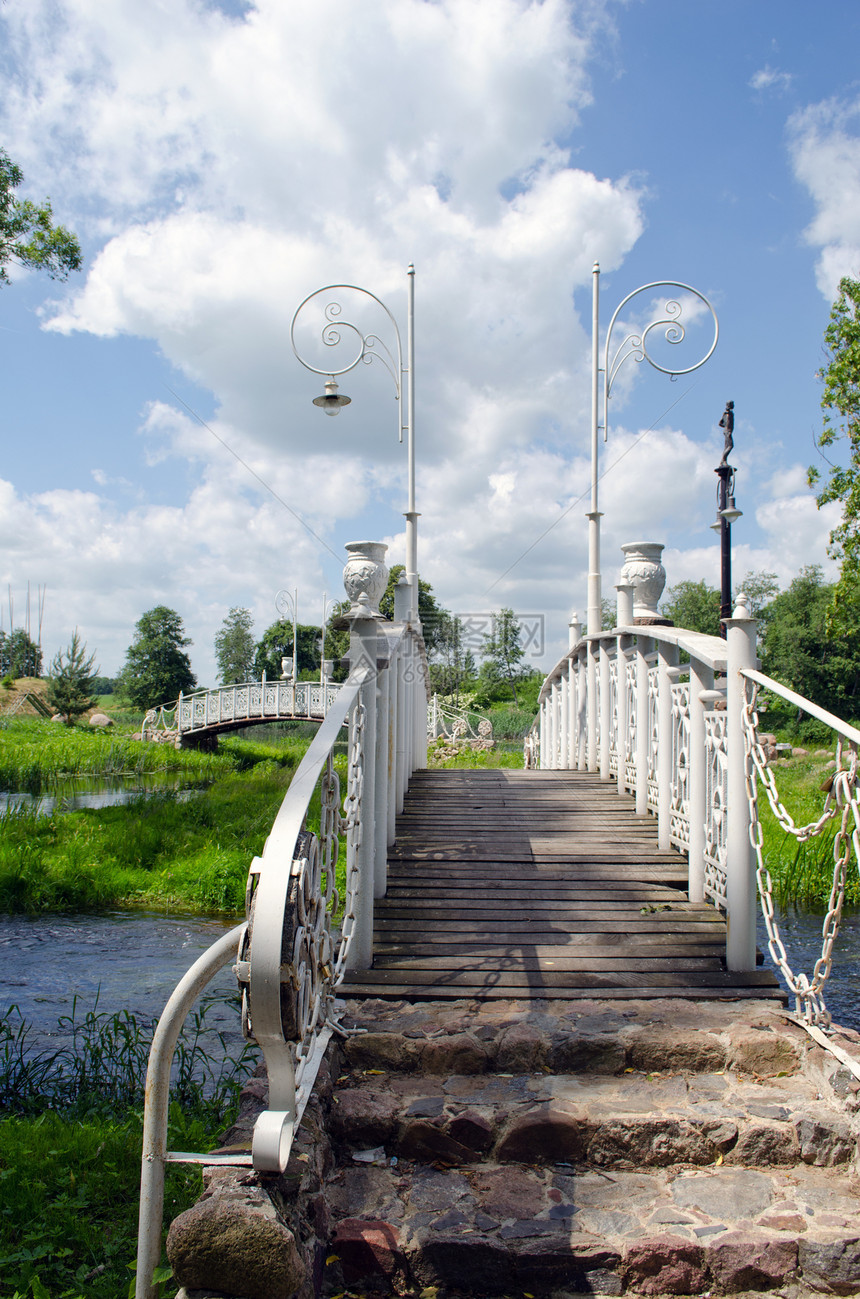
(805, 705)
(709, 650)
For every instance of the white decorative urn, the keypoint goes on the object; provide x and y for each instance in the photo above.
(366, 574)
(645, 573)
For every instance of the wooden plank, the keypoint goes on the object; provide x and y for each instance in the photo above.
(599, 945)
(523, 884)
(560, 964)
(580, 979)
(501, 991)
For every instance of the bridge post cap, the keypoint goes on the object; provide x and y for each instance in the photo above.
(741, 611)
(361, 608)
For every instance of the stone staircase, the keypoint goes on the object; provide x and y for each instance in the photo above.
(634, 1149)
(545, 1148)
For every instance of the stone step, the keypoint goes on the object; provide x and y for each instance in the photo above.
(456, 1150)
(635, 1121)
(487, 1231)
(510, 1036)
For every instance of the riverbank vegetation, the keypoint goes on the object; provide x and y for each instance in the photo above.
(802, 873)
(71, 1128)
(174, 847)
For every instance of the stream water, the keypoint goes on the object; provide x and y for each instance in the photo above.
(133, 960)
(72, 795)
(118, 961)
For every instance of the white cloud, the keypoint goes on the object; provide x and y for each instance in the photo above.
(223, 167)
(825, 153)
(768, 78)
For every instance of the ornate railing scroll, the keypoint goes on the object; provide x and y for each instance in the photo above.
(680, 796)
(716, 803)
(290, 948)
(297, 943)
(453, 723)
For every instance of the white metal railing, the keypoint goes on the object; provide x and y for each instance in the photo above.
(249, 701)
(683, 740)
(456, 723)
(300, 938)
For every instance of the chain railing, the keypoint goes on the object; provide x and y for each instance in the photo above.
(302, 933)
(842, 797)
(684, 740)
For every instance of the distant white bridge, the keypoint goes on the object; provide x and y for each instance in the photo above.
(229, 708)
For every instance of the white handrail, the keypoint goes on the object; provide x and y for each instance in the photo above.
(290, 958)
(805, 705)
(618, 703)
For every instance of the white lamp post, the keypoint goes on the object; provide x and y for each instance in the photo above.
(373, 348)
(286, 603)
(636, 346)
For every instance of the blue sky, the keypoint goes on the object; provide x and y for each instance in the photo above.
(220, 166)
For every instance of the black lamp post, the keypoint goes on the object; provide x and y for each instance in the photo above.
(727, 513)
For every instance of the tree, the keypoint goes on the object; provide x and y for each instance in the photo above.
(72, 680)
(453, 662)
(277, 643)
(840, 402)
(28, 235)
(156, 667)
(800, 651)
(759, 588)
(694, 606)
(503, 652)
(430, 612)
(234, 647)
(19, 656)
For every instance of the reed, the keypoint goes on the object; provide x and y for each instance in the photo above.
(35, 754)
(71, 1132)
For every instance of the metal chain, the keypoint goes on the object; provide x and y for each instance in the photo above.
(841, 794)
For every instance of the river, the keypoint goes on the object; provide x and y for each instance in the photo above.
(133, 960)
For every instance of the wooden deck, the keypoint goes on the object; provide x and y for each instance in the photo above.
(540, 884)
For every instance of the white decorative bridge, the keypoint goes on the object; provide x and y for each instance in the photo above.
(514, 883)
(229, 708)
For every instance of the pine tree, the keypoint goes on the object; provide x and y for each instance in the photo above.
(70, 684)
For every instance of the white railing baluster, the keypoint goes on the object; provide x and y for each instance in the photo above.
(605, 712)
(383, 775)
(643, 723)
(667, 658)
(740, 862)
(701, 679)
(591, 706)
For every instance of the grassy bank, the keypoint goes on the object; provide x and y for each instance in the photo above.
(70, 1177)
(160, 849)
(803, 873)
(34, 754)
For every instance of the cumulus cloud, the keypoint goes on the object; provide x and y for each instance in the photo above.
(825, 153)
(221, 167)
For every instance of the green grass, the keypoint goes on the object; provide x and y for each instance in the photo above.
(803, 873)
(159, 849)
(70, 1147)
(501, 755)
(34, 754)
